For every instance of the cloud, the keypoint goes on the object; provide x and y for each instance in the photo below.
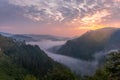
(97, 17)
(116, 0)
(62, 14)
(65, 11)
(57, 10)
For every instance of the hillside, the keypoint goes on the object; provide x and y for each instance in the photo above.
(19, 61)
(85, 46)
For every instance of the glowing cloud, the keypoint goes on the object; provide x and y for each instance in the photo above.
(61, 10)
(116, 0)
(63, 14)
(95, 18)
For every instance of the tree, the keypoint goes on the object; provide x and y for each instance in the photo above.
(111, 69)
(113, 65)
(30, 77)
(59, 74)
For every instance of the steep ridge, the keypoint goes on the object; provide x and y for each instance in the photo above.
(85, 46)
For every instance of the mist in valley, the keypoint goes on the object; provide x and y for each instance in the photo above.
(76, 65)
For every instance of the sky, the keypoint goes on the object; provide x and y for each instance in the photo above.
(58, 17)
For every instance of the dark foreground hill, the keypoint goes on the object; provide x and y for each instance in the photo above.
(19, 61)
(85, 46)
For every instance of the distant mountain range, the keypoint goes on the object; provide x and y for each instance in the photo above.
(6, 34)
(90, 43)
(33, 37)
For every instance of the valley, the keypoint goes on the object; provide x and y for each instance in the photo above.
(59, 39)
(41, 57)
(76, 65)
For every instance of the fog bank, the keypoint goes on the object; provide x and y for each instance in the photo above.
(76, 65)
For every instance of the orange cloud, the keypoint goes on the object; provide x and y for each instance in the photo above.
(92, 27)
(95, 18)
(116, 0)
(91, 22)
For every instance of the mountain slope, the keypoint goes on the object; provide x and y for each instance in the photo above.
(91, 42)
(19, 61)
(6, 34)
(9, 70)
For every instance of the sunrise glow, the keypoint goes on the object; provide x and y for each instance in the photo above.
(61, 17)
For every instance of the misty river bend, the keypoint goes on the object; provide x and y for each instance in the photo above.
(76, 65)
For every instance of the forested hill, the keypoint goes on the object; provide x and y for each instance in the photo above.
(85, 46)
(19, 61)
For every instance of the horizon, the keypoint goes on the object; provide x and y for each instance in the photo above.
(57, 35)
(71, 18)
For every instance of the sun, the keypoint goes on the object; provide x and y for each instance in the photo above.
(92, 27)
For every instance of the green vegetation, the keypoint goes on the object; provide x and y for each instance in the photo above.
(111, 69)
(9, 70)
(19, 61)
(30, 77)
(59, 73)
